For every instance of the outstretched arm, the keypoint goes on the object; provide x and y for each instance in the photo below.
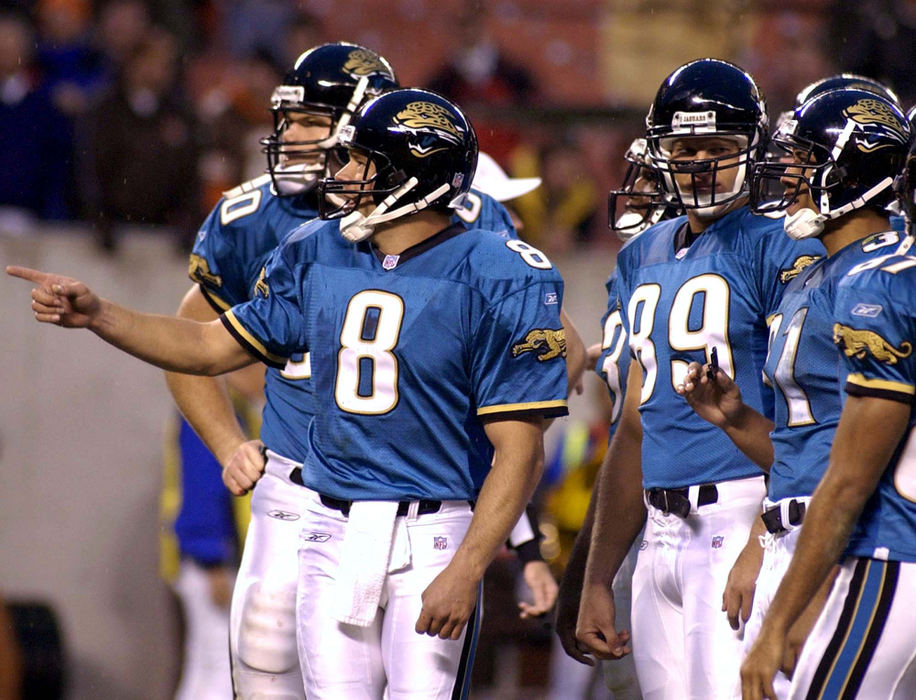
(175, 344)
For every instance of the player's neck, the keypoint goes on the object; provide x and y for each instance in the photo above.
(401, 234)
(699, 224)
(839, 233)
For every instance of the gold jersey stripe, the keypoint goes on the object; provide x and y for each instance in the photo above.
(509, 407)
(899, 387)
(256, 344)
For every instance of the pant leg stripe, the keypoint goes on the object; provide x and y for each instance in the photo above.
(875, 628)
(462, 687)
(815, 691)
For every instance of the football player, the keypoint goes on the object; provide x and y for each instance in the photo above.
(862, 513)
(689, 287)
(417, 328)
(841, 151)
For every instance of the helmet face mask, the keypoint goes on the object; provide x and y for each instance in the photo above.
(700, 106)
(848, 145)
(639, 202)
(329, 82)
(424, 153)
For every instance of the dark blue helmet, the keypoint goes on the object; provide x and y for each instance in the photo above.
(842, 81)
(905, 183)
(706, 98)
(424, 150)
(853, 144)
(332, 80)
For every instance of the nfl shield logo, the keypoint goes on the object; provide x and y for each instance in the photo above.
(390, 262)
(440, 543)
(717, 541)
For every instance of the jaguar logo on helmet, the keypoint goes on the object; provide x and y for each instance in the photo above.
(869, 111)
(361, 63)
(430, 122)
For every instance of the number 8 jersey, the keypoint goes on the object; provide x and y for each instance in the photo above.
(678, 305)
(409, 353)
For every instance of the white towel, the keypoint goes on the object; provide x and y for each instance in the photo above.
(364, 561)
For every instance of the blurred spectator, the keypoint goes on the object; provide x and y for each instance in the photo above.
(71, 69)
(479, 74)
(300, 34)
(252, 25)
(120, 27)
(876, 38)
(35, 151)
(560, 214)
(140, 146)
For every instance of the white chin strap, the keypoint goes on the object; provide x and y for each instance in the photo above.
(805, 223)
(296, 179)
(356, 227)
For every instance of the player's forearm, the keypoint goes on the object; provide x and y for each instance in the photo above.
(206, 405)
(750, 431)
(174, 344)
(574, 573)
(508, 487)
(868, 433)
(619, 508)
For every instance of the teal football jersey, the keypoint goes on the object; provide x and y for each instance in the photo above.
(409, 354)
(231, 250)
(875, 332)
(803, 368)
(614, 360)
(677, 306)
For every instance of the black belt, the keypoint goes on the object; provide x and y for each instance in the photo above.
(676, 500)
(772, 517)
(424, 508)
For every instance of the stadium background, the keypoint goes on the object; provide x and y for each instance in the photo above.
(81, 425)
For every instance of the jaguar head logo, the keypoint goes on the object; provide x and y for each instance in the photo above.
(431, 124)
(544, 342)
(859, 343)
(799, 264)
(875, 112)
(362, 63)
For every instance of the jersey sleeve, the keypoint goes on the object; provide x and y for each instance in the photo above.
(216, 265)
(271, 325)
(875, 334)
(518, 353)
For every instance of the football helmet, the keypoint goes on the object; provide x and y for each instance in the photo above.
(706, 98)
(640, 198)
(845, 80)
(424, 152)
(845, 147)
(331, 80)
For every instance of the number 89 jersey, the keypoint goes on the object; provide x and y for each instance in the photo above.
(678, 306)
(875, 333)
(409, 353)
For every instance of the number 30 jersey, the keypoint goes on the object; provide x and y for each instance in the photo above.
(875, 333)
(232, 248)
(677, 306)
(409, 354)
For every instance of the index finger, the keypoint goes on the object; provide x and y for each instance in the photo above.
(26, 273)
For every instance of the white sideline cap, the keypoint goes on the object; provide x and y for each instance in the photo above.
(490, 179)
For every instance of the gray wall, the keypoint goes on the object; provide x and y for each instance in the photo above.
(81, 431)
